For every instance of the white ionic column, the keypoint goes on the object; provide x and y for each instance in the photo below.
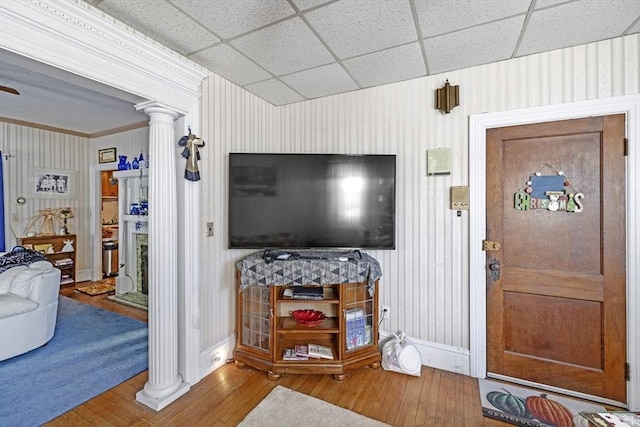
(165, 383)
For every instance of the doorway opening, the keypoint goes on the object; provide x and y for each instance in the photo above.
(109, 219)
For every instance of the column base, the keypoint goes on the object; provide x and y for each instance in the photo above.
(162, 402)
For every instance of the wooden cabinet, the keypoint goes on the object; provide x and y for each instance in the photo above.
(60, 250)
(109, 184)
(266, 329)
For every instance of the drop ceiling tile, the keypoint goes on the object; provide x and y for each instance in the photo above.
(284, 48)
(441, 17)
(234, 17)
(162, 22)
(308, 4)
(474, 46)
(580, 22)
(322, 81)
(274, 91)
(356, 27)
(388, 66)
(541, 4)
(230, 64)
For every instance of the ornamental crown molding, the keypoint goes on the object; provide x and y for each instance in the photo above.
(80, 39)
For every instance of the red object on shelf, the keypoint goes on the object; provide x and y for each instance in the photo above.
(308, 317)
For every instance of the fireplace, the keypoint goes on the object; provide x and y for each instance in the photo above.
(142, 264)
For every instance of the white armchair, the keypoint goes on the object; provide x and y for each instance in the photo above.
(28, 307)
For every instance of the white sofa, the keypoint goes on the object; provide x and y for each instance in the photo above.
(28, 307)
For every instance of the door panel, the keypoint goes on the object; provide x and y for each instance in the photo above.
(556, 314)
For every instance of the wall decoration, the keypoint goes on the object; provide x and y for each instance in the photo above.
(47, 183)
(107, 155)
(549, 192)
(191, 152)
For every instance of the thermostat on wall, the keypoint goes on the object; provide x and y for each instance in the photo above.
(439, 161)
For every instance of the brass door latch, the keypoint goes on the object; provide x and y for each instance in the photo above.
(490, 246)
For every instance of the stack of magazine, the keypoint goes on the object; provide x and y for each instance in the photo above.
(308, 292)
(306, 352)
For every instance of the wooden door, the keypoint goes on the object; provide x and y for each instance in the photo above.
(556, 311)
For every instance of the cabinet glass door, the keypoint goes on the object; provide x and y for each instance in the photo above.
(358, 319)
(256, 316)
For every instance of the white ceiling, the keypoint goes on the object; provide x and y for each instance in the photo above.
(286, 51)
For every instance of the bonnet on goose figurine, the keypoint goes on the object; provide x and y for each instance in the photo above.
(191, 152)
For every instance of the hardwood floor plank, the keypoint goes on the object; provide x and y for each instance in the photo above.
(411, 401)
(225, 397)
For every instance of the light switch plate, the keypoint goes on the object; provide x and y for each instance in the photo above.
(439, 161)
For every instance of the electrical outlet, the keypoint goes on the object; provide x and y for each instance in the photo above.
(209, 229)
(385, 312)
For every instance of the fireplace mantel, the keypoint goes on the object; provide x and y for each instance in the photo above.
(132, 186)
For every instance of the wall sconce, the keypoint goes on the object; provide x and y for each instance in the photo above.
(447, 98)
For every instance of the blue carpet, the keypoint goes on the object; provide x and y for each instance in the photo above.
(92, 351)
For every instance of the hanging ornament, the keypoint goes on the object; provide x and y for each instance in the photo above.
(551, 192)
(191, 144)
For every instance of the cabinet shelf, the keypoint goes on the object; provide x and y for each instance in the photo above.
(286, 325)
(135, 218)
(57, 242)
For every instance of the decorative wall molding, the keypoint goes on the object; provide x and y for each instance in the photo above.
(80, 40)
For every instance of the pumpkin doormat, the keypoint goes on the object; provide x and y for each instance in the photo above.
(523, 406)
(97, 288)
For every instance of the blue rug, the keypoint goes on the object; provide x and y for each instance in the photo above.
(92, 351)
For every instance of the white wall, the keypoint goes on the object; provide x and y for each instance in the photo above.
(42, 149)
(426, 279)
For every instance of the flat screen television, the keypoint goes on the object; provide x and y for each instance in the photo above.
(311, 201)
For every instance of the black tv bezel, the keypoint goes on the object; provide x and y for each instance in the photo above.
(321, 248)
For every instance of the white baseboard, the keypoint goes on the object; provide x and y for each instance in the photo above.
(217, 355)
(439, 356)
(434, 355)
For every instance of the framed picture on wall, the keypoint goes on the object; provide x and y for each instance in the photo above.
(107, 155)
(47, 183)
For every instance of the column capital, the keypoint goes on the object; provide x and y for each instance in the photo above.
(153, 107)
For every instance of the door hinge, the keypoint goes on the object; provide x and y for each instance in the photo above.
(626, 147)
(627, 372)
(490, 246)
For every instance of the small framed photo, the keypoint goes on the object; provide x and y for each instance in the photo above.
(107, 155)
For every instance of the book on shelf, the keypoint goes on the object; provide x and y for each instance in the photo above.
(290, 354)
(612, 419)
(308, 292)
(65, 262)
(356, 328)
(301, 351)
(318, 351)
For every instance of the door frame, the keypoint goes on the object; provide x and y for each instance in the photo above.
(95, 196)
(478, 124)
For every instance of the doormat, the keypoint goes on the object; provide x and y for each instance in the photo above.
(97, 288)
(523, 406)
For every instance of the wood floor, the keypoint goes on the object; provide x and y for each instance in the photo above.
(226, 396)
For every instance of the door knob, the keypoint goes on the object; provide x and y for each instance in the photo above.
(494, 267)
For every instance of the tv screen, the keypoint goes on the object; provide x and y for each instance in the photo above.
(311, 201)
